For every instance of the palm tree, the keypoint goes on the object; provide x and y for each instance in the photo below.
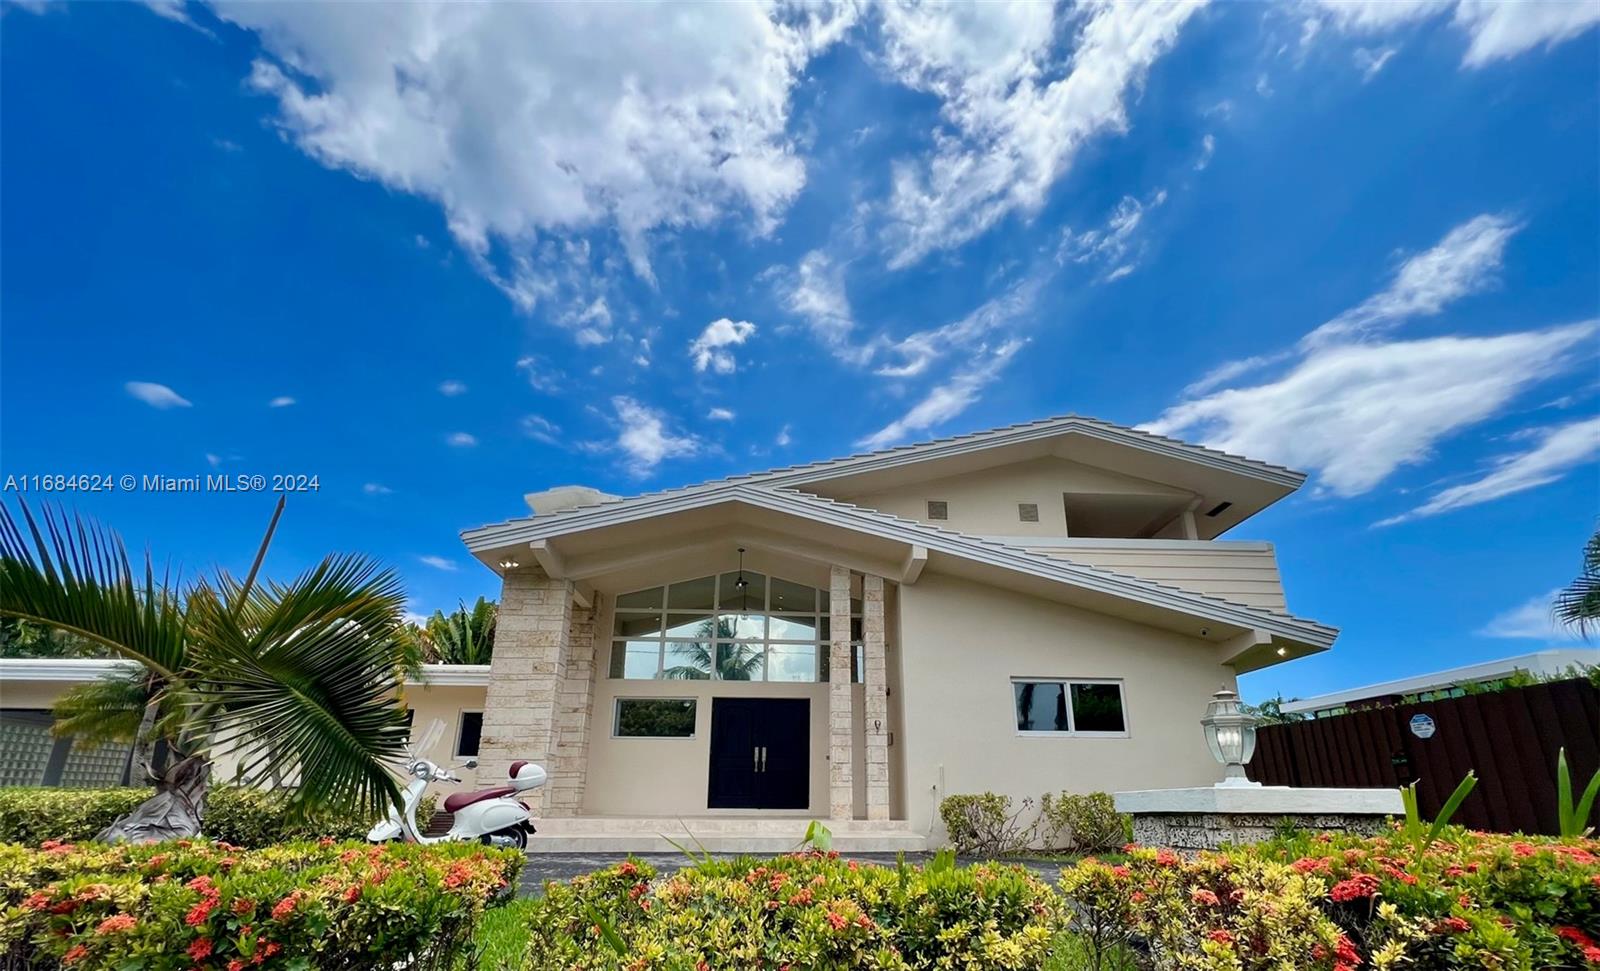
(298, 680)
(464, 637)
(742, 663)
(1578, 604)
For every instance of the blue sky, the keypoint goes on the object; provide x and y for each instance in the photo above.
(440, 257)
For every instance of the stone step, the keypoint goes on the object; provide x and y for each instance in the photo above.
(792, 827)
(886, 841)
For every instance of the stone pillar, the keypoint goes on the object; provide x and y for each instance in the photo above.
(532, 647)
(841, 748)
(569, 763)
(875, 673)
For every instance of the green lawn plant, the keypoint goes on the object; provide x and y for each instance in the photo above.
(1574, 816)
(1419, 832)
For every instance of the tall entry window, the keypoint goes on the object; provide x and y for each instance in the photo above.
(770, 629)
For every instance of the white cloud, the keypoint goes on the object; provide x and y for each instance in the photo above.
(376, 489)
(452, 388)
(783, 439)
(525, 121)
(1559, 450)
(918, 352)
(439, 563)
(1011, 129)
(1464, 262)
(947, 400)
(1371, 61)
(213, 459)
(711, 349)
(1530, 620)
(1357, 412)
(541, 429)
(814, 291)
(282, 401)
(642, 435)
(462, 440)
(156, 395)
(1114, 245)
(541, 374)
(1496, 29)
(1208, 148)
(720, 414)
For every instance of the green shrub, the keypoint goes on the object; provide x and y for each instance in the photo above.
(1338, 903)
(184, 904)
(234, 814)
(1089, 823)
(806, 910)
(984, 824)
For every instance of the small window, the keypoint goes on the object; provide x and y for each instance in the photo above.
(1069, 707)
(471, 731)
(938, 509)
(1028, 512)
(654, 718)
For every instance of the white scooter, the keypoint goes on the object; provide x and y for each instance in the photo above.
(491, 816)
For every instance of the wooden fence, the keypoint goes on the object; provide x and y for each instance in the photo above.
(1509, 737)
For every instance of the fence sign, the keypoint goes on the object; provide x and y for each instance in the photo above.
(1422, 726)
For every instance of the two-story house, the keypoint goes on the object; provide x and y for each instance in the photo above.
(1036, 608)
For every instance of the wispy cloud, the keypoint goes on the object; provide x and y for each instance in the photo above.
(462, 439)
(1530, 620)
(376, 489)
(1114, 246)
(1559, 450)
(947, 400)
(157, 395)
(452, 388)
(783, 439)
(282, 401)
(541, 375)
(644, 437)
(1495, 31)
(814, 291)
(438, 563)
(1370, 62)
(1208, 148)
(541, 429)
(720, 414)
(712, 350)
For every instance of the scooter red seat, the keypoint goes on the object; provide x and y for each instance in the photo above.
(457, 801)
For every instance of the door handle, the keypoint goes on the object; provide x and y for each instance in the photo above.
(763, 758)
(755, 759)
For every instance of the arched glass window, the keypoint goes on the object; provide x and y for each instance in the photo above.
(770, 629)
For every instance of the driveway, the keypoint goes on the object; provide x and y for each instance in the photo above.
(543, 867)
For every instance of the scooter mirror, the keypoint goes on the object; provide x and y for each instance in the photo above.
(472, 763)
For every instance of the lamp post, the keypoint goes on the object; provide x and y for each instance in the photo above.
(1231, 736)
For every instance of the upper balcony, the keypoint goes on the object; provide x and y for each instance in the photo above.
(1241, 571)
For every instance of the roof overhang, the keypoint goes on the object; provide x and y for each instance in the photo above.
(612, 540)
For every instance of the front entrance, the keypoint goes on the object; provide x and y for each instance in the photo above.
(760, 753)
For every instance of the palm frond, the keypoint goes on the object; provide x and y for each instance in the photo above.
(108, 709)
(1577, 605)
(302, 677)
(73, 575)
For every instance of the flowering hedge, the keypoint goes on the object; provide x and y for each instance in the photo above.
(1472, 900)
(806, 910)
(190, 904)
(234, 814)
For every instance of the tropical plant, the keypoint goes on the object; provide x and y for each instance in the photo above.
(1574, 816)
(463, 637)
(734, 662)
(1418, 831)
(18, 638)
(1578, 604)
(297, 680)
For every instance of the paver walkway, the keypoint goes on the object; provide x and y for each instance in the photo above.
(564, 866)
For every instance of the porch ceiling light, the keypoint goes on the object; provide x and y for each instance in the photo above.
(509, 564)
(1231, 736)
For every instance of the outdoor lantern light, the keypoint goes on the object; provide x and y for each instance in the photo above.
(1231, 734)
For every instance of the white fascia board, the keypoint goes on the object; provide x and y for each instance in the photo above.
(496, 535)
(1539, 662)
(453, 674)
(92, 669)
(1101, 543)
(912, 533)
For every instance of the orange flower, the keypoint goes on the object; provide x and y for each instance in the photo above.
(116, 923)
(76, 954)
(200, 948)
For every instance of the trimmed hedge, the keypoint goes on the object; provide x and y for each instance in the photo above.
(806, 910)
(1338, 903)
(237, 815)
(191, 904)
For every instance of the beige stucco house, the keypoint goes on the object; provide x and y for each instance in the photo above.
(1042, 607)
(1037, 608)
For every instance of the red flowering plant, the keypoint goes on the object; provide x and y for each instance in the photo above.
(192, 904)
(805, 910)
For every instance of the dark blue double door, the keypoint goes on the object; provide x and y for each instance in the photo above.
(760, 753)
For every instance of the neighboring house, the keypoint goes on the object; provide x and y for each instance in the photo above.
(1451, 683)
(1035, 608)
(30, 755)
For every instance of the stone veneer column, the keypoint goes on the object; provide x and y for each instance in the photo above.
(569, 764)
(875, 675)
(841, 748)
(532, 647)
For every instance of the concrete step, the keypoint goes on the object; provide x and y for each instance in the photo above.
(633, 841)
(678, 826)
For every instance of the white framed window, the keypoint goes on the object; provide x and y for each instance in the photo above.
(469, 732)
(1092, 707)
(653, 718)
(714, 628)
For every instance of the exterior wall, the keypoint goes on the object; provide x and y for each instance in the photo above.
(1244, 572)
(985, 503)
(962, 643)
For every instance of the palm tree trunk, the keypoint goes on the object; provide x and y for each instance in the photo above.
(174, 812)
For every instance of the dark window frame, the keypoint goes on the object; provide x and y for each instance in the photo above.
(1072, 731)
